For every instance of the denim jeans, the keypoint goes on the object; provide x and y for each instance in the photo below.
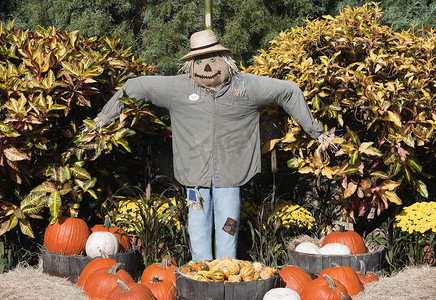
(221, 208)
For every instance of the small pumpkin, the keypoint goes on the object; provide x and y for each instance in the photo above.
(102, 281)
(307, 247)
(347, 276)
(101, 240)
(325, 288)
(267, 272)
(216, 276)
(165, 270)
(95, 264)
(122, 236)
(335, 249)
(246, 272)
(295, 278)
(130, 291)
(235, 278)
(281, 294)
(67, 236)
(161, 289)
(349, 238)
(366, 277)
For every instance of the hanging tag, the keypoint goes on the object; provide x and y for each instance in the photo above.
(194, 199)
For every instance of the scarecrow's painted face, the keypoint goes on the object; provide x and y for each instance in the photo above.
(209, 70)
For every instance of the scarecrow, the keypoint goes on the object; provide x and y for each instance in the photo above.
(214, 114)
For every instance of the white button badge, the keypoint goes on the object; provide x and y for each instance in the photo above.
(194, 97)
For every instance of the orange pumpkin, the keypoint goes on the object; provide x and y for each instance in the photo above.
(366, 277)
(347, 276)
(67, 236)
(295, 278)
(349, 238)
(102, 281)
(161, 289)
(122, 237)
(130, 291)
(93, 265)
(325, 288)
(165, 270)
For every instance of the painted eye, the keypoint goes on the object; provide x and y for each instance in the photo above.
(198, 60)
(212, 59)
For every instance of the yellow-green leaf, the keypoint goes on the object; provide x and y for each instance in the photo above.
(269, 145)
(393, 197)
(13, 154)
(395, 118)
(54, 204)
(26, 228)
(390, 184)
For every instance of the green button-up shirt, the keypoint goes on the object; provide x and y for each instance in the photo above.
(216, 134)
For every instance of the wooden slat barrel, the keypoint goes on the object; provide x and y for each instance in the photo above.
(315, 263)
(190, 289)
(70, 266)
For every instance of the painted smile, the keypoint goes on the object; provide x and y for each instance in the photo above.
(207, 77)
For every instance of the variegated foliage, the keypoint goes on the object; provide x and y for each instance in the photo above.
(374, 91)
(50, 81)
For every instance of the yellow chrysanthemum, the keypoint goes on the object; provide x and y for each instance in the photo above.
(129, 212)
(418, 217)
(292, 214)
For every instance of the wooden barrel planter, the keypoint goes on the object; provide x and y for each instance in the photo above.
(315, 263)
(190, 289)
(70, 266)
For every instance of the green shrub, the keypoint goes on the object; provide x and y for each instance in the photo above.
(50, 82)
(372, 88)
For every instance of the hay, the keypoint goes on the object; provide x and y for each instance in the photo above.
(30, 283)
(418, 283)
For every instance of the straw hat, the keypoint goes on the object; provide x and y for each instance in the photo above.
(204, 42)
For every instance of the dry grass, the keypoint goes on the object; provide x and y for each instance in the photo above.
(29, 283)
(417, 283)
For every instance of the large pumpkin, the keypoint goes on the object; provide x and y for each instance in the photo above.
(67, 236)
(349, 238)
(325, 288)
(102, 281)
(130, 291)
(347, 276)
(295, 278)
(93, 265)
(122, 236)
(161, 289)
(165, 270)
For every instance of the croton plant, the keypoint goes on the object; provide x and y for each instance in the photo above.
(52, 83)
(374, 91)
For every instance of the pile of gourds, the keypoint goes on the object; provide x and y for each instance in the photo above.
(227, 270)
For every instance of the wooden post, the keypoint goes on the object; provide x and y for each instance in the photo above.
(208, 14)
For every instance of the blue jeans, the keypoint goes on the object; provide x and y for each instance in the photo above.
(221, 210)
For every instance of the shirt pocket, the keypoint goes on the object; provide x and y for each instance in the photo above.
(233, 108)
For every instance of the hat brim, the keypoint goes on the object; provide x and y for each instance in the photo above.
(216, 48)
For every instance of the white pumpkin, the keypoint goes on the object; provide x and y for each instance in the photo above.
(281, 294)
(307, 247)
(335, 249)
(101, 241)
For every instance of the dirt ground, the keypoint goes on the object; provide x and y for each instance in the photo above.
(30, 283)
